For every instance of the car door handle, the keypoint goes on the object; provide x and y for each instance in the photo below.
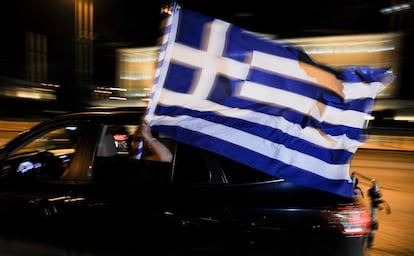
(43, 204)
(202, 218)
(188, 220)
(208, 219)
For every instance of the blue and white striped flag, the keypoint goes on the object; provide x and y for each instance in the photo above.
(140, 148)
(260, 102)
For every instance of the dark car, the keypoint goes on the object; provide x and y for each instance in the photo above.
(64, 186)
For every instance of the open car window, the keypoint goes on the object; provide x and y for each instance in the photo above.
(116, 157)
(46, 156)
(58, 141)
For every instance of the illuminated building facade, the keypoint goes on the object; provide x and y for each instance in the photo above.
(136, 66)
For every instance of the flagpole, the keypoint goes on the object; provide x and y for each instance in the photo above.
(170, 28)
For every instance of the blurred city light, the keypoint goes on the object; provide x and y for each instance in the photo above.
(17, 88)
(396, 8)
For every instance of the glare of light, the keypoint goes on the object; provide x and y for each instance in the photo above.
(404, 118)
(28, 95)
(351, 47)
(117, 98)
(344, 45)
(369, 118)
(71, 128)
(101, 91)
(139, 58)
(66, 199)
(50, 85)
(137, 77)
(117, 89)
(166, 10)
(140, 95)
(34, 95)
(396, 8)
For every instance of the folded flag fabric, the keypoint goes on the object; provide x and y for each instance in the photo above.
(261, 102)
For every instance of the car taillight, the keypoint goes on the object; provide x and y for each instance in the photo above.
(350, 220)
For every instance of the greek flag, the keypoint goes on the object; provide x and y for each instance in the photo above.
(260, 102)
(140, 148)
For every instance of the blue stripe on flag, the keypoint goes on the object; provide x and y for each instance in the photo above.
(273, 134)
(140, 149)
(263, 103)
(256, 160)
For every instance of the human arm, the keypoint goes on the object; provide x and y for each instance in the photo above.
(159, 150)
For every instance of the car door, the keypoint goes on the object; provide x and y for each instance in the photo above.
(60, 187)
(34, 195)
(117, 207)
(197, 203)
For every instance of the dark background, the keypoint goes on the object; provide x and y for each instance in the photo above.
(132, 23)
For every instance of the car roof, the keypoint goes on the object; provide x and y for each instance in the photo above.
(101, 113)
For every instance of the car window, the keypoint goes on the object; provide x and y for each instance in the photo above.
(122, 137)
(195, 165)
(236, 172)
(190, 166)
(116, 159)
(46, 156)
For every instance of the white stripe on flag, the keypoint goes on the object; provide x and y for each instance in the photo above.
(294, 69)
(331, 115)
(308, 106)
(257, 144)
(359, 90)
(170, 98)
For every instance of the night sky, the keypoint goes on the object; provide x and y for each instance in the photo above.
(138, 21)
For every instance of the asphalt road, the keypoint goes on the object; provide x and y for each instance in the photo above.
(394, 172)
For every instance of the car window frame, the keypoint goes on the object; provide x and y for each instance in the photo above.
(164, 169)
(41, 130)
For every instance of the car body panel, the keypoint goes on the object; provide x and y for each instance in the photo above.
(199, 204)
